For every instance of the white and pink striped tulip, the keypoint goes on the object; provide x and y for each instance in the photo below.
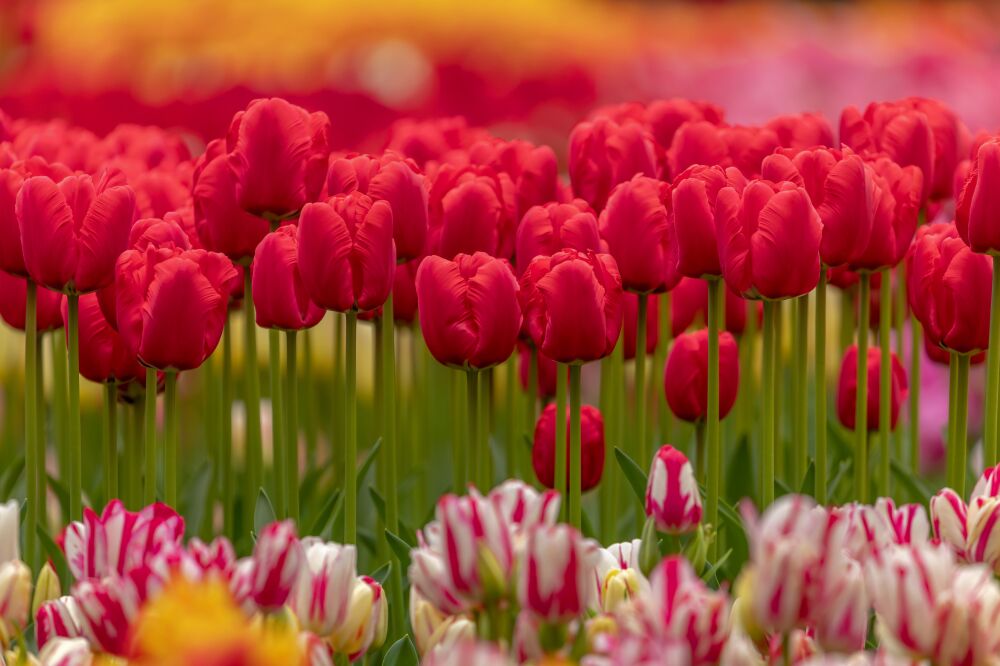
(58, 618)
(367, 620)
(618, 577)
(15, 596)
(557, 572)
(66, 652)
(277, 560)
(841, 611)
(672, 498)
(107, 607)
(322, 593)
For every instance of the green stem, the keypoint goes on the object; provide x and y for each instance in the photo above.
(899, 321)
(713, 443)
(916, 333)
(111, 450)
(472, 416)
(130, 460)
(513, 469)
(575, 449)
(483, 429)
(278, 454)
(641, 395)
(885, 381)
(170, 414)
(339, 388)
(820, 390)
(389, 394)
(292, 423)
(618, 490)
(309, 401)
(75, 443)
(531, 413)
(31, 449)
(41, 441)
(662, 347)
(699, 451)
(213, 436)
(961, 424)
(60, 399)
(559, 474)
(254, 445)
(800, 436)
(149, 496)
(351, 430)
(228, 489)
(993, 373)
(770, 393)
(952, 408)
(459, 445)
(861, 403)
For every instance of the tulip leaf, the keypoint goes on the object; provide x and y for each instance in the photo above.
(366, 539)
(196, 497)
(587, 527)
(263, 513)
(382, 573)
(401, 549)
(633, 474)
(324, 515)
(714, 569)
(781, 488)
(367, 464)
(921, 493)
(809, 482)
(406, 533)
(335, 523)
(60, 492)
(11, 476)
(379, 503)
(402, 653)
(55, 554)
(833, 486)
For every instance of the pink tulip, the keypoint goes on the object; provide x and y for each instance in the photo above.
(277, 562)
(672, 498)
(556, 573)
(57, 618)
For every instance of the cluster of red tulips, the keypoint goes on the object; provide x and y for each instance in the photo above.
(684, 246)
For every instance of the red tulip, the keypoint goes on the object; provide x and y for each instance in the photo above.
(184, 218)
(472, 209)
(977, 210)
(153, 232)
(404, 291)
(223, 226)
(769, 239)
(278, 154)
(148, 146)
(544, 230)
(73, 231)
(347, 257)
(534, 170)
(159, 192)
(395, 180)
(689, 304)
(543, 453)
(172, 304)
(948, 284)
(547, 369)
(469, 311)
(697, 142)
(897, 209)
(630, 321)
(279, 297)
(952, 141)
(847, 388)
(57, 141)
(603, 153)
(685, 377)
(801, 130)
(433, 140)
(897, 129)
(637, 230)
(572, 303)
(103, 354)
(664, 117)
(748, 146)
(14, 299)
(11, 179)
(693, 217)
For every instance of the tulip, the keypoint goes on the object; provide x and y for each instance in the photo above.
(280, 298)
(801, 130)
(664, 117)
(689, 304)
(672, 497)
(277, 559)
(686, 375)
(15, 597)
(321, 596)
(697, 142)
(545, 230)
(555, 581)
(155, 232)
(57, 618)
(545, 372)
(10, 528)
(693, 217)
(106, 608)
(159, 192)
(367, 620)
(431, 140)
(11, 179)
(104, 356)
(467, 651)
(534, 170)
(543, 453)
(477, 545)
(847, 388)
(523, 507)
(472, 209)
(636, 228)
(57, 141)
(619, 577)
(949, 516)
(603, 153)
(630, 317)
(842, 615)
(66, 652)
(13, 304)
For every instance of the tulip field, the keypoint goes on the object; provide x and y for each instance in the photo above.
(660, 392)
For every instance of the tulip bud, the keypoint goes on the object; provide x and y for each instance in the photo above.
(366, 622)
(949, 516)
(555, 580)
(46, 587)
(847, 388)
(66, 652)
(104, 356)
(543, 452)
(547, 229)
(978, 198)
(277, 558)
(693, 217)
(685, 376)
(15, 596)
(603, 153)
(841, 617)
(321, 594)
(649, 550)
(696, 550)
(57, 618)
(672, 498)
(983, 542)
(523, 507)
(280, 298)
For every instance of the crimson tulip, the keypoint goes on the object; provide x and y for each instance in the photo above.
(636, 228)
(279, 296)
(393, 179)
(472, 209)
(630, 321)
(57, 141)
(469, 311)
(847, 388)
(172, 304)
(572, 303)
(11, 179)
(665, 116)
(73, 231)
(534, 170)
(104, 357)
(672, 497)
(347, 256)
(426, 141)
(278, 154)
(705, 143)
(693, 217)
(769, 240)
(544, 230)
(154, 232)
(748, 146)
(543, 452)
(148, 146)
(896, 215)
(977, 210)
(404, 291)
(159, 191)
(14, 298)
(689, 304)
(801, 130)
(603, 153)
(685, 377)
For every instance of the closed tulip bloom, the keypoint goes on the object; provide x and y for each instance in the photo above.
(104, 356)
(689, 305)
(156, 232)
(949, 517)
(278, 153)
(572, 304)
(847, 388)
(473, 210)
(555, 581)
(534, 170)
(977, 210)
(73, 231)
(106, 611)
(637, 230)
(748, 146)
(10, 528)
(685, 377)
(897, 209)
(57, 618)
(665, 116)
(469, 311)
(543, 452)
(983, 540)
(951, 142)
(367, 620)
(630, 322)
(277, 564)
(697, 142)
(15, 596)
(347, 257)
(159, 192)
(769, 240)
(404, 291)
(693, 217)
(279, 296)
(603, 153)
(147, 146)
(547, 369)
(160, 288)
(322, 594)
(14, 301)
(545, 230)
(841, 617)
(11, 179)
(672, 498)
(397, 181)
(801, 130)
(432, 140)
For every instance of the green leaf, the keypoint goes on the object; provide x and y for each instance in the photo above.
(781, 488)
(400, 548)
(60, 492)
(196, 496)
(633, 474)
(366, 539)
(809, 483)
(402, 653)
(382, 573)
(379, 503)
(713, 570)
(11, 476)
(588, 527)
(367, 464)
(833, 486)
(406, 533)
(263, 513)
(55, 554)
(324, 514)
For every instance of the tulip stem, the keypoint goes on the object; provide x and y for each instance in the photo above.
(254, 447)
(898, 322)
(662, 347)
(472, 414)
(916, 333)
(31, 449)
(800, 435)
(713, 443)
(111, 450)
(861, 403)
(130, 457)
(575, 448)
(950, 438)
(885, 381)
(820, 389)
(699, 450)
(460, 448)
(170, 414)
(308, 400)
(351, 430)
(40, 441)
(531, 413)
(483, 428)
(513, 469)
(150, 484)
(389, 394)
(226, 445)
(961, 416)
(993, 373)
(278, 455)
(59, 400)
(292, 423)
(770, 393)
(73, 375)
(641, 395)
(560, 471)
